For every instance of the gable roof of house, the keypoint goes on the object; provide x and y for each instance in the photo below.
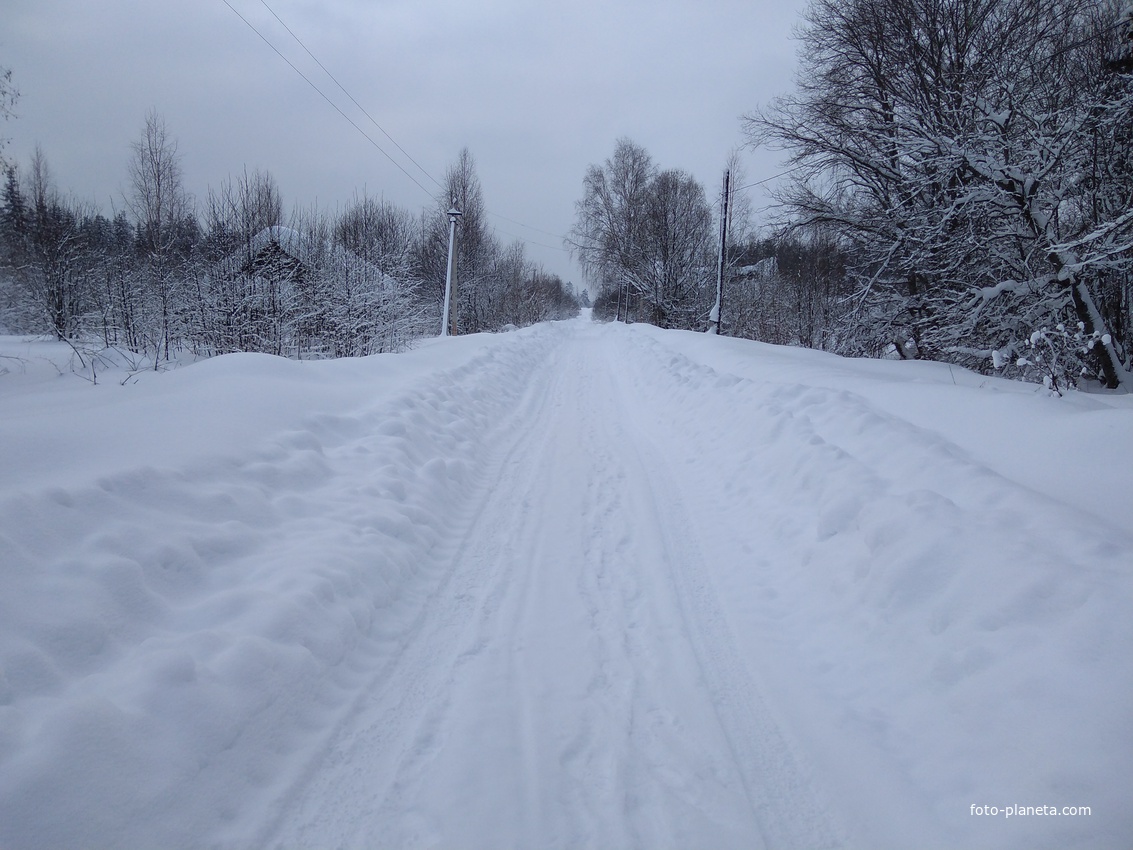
(304, 250)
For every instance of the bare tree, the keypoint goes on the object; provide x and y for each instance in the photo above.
(608, 237)
(377, 245)
(476, 248)
(45, 247)
(740, 208)
(678, 249)
(644, 236)
(949, 143)
(381, 233)
(162, 210)
(8, 97)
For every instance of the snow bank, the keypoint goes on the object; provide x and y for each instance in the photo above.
(932, 570)
(1075, 449)
(198, 569)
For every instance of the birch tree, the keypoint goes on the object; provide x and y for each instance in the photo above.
(8, 97)
(645, 234)
(162, 213)
(608, 237)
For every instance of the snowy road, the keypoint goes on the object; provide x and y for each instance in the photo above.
(573, 683)
(576, 586)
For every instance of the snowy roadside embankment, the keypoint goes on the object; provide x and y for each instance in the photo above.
(932, 571)
(198, 570)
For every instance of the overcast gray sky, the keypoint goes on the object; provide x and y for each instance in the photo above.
(537, 92)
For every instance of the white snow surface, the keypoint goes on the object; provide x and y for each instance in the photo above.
(580, 585)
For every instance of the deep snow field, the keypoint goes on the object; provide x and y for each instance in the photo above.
(578, 585)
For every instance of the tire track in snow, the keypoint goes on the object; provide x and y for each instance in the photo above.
(391, 747)
(176, 643)
(573, 683)
(777, 784)
(332, 801)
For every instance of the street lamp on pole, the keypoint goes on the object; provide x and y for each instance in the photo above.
(453, 215)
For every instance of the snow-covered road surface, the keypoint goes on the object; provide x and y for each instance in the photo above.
(573, 682)
(577, 586)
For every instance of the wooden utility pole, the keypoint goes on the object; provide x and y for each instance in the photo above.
(714, 316)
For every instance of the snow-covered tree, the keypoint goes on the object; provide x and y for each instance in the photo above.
(608, 236)
(644, 236)
(45, 251)
(961, 151)
(476, 247)
(166, 224)
(242, 307)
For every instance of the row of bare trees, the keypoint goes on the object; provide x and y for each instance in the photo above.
(496, 284)
(973, 162)
(961, 189)
(649, 239)
(644, 236)
(235, 273)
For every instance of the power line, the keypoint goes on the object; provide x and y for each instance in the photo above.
(372, 120)
(769, 179)
(343, 89)
(527, 241)
(528, 226)
(350, 96)
(323, 95)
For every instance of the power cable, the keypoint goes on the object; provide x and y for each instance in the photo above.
(527, 241)
(372, 120)
(324, 96)
(768, 179)
(528, 226)
(350, 96)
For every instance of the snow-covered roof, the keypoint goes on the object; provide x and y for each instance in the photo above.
(308, 251)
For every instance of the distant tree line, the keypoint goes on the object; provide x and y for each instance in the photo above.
(961, 189)
(649, 240)
(167, 274)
